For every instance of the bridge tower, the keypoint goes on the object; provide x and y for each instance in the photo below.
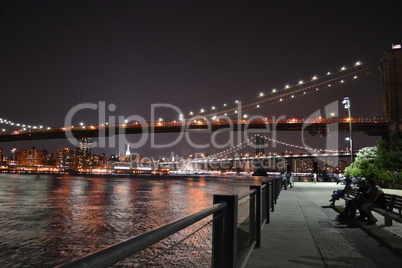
(391, 73)
(259, 144)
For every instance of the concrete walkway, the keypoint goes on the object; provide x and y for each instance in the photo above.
(305, 232)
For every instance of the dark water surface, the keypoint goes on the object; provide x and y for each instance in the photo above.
(49, 220)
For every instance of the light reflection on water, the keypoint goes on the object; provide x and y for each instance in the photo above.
(49, 220)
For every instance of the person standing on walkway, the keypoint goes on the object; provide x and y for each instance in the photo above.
(284, 180)
(290, 179)
(314, 177)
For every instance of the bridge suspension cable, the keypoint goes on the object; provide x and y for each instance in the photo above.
(248, 143)
(21, 125)
(302, 88)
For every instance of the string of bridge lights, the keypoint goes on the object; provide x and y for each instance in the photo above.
(273, 95)
(232, 150)
(248, 142)
(23, 126)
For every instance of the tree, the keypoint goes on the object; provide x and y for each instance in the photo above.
(381, 162)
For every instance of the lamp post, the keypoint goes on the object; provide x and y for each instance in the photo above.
(347, 105)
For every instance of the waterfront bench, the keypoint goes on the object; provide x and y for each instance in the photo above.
(393, 209)
(352, 195)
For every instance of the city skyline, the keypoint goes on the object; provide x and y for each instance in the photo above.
(192, 55)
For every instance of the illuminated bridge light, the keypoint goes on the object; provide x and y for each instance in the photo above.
(342, 81)
(262, 94)
(287, 86)
(314, 78)
(293, 96)
(224, 104)
(202, 110)
(304, 92)
(191, 113)
(301, 82)
(258, 106)
(343, 68)
(213, 108)
(328, 73)
(355, 77)
(236, 101)
(280, 99)
(358, 63)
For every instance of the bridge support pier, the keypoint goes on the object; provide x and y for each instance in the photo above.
(391, 73)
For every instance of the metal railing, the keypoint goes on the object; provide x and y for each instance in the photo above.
(236, 224)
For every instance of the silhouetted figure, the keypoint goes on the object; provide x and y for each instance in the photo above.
(375, 198)
(289, 178)
(353, 205)
(314, 177)
(284, 180)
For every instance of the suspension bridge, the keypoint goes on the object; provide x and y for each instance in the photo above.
(244, 115)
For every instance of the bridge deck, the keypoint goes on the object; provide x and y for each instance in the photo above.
(370, 126)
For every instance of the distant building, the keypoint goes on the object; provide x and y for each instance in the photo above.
(85, 147)
(303, 165)
(13, 154)
(65, 157)
(33, 157)
(342, 165)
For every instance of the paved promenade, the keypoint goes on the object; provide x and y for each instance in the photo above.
(305, 232)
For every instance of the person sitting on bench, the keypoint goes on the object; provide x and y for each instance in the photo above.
(339, 193)
(376, 198)
(355, 203)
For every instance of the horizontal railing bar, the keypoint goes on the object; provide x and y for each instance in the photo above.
(247, 194)
(117, 252)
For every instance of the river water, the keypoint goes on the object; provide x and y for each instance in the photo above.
(48, 220)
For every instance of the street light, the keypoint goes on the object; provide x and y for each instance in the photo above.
(347, 105)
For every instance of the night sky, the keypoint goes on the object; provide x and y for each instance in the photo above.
(191, 54)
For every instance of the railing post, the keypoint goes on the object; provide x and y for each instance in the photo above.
(224, 238)
(278, 186)
(273, 194)
(268, 199)
(255, 214)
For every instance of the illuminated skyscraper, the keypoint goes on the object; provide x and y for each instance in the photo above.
(85, 147)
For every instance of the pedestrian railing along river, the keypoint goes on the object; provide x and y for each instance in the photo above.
(225, 235)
